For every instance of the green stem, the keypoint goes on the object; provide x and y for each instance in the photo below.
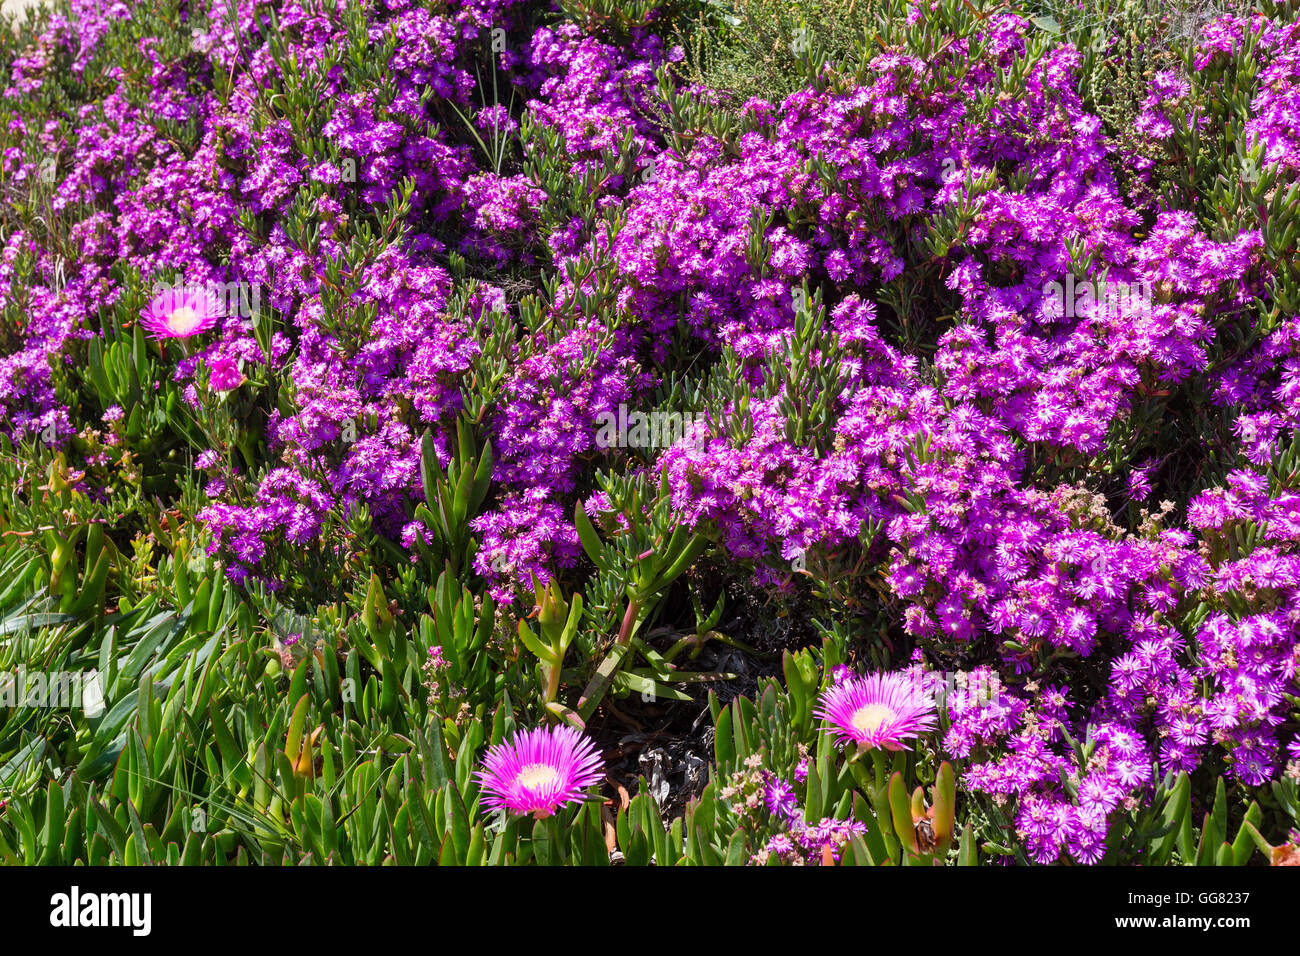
(881, 768)
(558, 849)
(629, 622)
(880, 802)
(604, 675)
(553, 676)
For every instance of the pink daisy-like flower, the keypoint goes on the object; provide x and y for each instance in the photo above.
(880, 710)
(538, 771)
(181, 313)
(225, 374)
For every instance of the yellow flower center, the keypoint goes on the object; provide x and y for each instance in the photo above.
(536, 776)
(870, 718)
(183, 319)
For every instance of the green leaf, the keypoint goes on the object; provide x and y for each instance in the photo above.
(724, 748)
(1243, 846)
(943, 797)
(115, 834)
(967, 853)
(1174, 815)
(900, 807)
(535, 645)
(431, 474)
(648, 687)
(591, 543)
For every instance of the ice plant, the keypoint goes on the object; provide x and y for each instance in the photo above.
(877, 711)
(181, 313)
(540, 770)
(225, 374)
(751, 242)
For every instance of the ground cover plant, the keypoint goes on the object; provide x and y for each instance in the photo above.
(843, 432)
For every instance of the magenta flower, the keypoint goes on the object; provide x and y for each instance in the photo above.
(877, 711)
(537, 771)
(181, 313)
(225, 374)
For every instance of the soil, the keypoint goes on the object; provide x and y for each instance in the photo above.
(670, 743)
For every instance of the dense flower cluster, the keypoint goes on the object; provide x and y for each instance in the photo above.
(998, 452)
(768, 805)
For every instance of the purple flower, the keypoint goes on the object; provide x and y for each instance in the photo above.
(225, 374)
(780, 799)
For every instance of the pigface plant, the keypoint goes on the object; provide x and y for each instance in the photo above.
(650, 432)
